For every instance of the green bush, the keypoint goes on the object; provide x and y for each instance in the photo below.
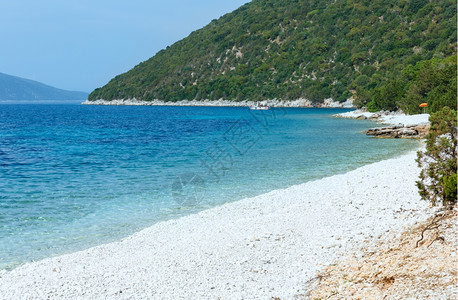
(450, 187)
(438, 163)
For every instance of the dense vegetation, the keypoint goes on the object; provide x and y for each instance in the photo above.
(311, 49)
(432, 81)
(438, 181)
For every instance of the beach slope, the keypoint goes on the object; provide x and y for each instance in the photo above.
(261, 247)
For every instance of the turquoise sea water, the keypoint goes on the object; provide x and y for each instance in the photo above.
(74, 176)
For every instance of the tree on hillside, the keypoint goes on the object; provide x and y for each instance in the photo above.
(432, 81)
(438, 182)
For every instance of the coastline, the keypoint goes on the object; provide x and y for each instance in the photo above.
(265, 246)
(328, 103)
(399, 124)
(387, 118)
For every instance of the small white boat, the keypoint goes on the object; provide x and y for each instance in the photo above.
(258, 106)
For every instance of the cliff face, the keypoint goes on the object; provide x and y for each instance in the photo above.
(292, 49)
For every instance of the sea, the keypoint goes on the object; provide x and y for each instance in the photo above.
(76, 176)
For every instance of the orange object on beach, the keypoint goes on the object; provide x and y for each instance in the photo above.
(424, 105)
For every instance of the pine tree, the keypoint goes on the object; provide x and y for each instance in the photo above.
(438, 181)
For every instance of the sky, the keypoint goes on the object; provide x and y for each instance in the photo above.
(80, 45)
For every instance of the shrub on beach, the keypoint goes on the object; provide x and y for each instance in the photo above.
(438, 181)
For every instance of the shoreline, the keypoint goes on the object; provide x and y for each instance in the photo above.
(304, 103)
(387, 118)
(265, 246)
(399, 124)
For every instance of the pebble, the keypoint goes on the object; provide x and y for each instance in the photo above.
(245, 259)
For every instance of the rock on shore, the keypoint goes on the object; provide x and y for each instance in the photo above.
(399, 131)
(402, 125)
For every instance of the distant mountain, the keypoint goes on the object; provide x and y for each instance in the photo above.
(16, 88)
(292, 49)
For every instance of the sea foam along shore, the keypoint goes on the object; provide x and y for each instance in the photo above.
(261, 247)
(328, 103)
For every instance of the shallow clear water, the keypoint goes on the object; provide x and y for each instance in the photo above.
(74, 176)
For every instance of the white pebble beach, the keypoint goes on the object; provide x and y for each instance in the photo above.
(256, 248)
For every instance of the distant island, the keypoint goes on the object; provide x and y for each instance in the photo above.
(387, 55)
(14, 88)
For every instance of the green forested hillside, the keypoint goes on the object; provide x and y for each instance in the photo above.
(290, 49)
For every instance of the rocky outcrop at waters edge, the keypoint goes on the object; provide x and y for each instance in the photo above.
(399, 124)
(399, 131)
